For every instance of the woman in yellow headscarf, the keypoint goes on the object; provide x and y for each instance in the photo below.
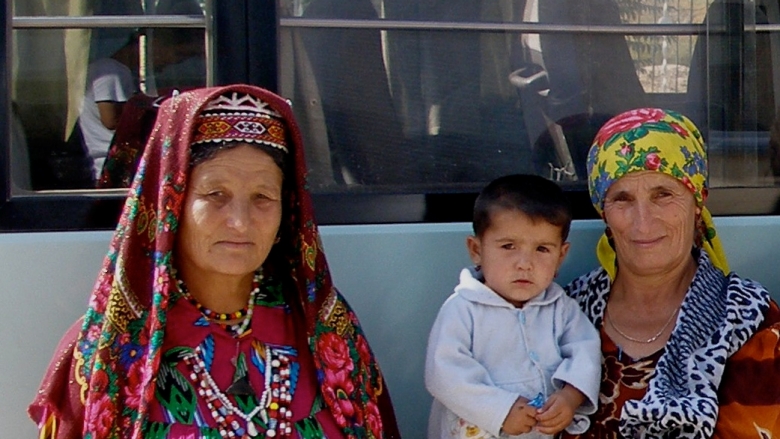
(679, 330)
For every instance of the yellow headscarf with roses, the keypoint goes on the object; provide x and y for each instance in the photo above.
(650, 139)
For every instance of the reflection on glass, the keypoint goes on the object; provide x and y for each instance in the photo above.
(72, 89)
(410, 110)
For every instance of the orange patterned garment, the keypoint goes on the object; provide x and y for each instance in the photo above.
(749, 393)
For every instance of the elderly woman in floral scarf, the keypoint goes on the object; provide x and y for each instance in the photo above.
(690, 349)
(214, 314)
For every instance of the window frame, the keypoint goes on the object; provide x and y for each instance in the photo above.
(243, 35)
(248, 47)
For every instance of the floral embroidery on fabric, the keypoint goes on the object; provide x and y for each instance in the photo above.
(345, 361)
(146, 220)
(177, 393)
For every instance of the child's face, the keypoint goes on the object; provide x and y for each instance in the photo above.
(519, 256)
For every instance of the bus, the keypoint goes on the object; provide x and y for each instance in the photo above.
(407, 109)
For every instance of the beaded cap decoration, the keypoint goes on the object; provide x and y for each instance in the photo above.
(239, 117)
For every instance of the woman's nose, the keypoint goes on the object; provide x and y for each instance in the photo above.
(238, 215)
(643, 214)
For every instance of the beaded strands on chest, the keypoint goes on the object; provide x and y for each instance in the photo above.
(237, 329)
(273, 406)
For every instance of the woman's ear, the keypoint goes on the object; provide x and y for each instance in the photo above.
(474, 245)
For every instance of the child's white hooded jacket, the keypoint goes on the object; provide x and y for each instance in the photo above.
(483, 353)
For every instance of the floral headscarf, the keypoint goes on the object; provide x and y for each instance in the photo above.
(133, 129)
(129, 304)
(650, 139)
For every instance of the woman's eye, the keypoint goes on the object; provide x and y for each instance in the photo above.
(261, 197)
(620, 198)
(218, 197)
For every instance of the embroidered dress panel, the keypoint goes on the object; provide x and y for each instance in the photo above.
(213, 385)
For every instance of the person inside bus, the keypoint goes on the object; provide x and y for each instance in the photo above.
(214, 314)
(110, 82)
(690, 349)
(171, 48)
(510, 353)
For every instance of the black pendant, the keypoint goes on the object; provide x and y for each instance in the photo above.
(241, 387)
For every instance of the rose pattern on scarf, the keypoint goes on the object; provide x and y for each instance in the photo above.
(641, 140)
(132, 392)
(617, 126)
(373, 419)
(99, 418)
(351, 392)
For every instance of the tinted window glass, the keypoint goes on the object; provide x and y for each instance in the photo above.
(405, 96)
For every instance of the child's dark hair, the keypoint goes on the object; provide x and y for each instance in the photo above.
(534, 196)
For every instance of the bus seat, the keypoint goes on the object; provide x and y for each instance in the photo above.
(588, 73)
(588, 78)
(733, 83)
(364, 132)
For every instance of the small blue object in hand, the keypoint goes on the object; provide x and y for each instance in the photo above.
(537, 402)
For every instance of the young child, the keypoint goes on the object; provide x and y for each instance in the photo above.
(510, 352)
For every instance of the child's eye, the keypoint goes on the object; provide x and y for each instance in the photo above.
(508, 246)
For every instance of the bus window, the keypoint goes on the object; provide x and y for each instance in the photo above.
(77, 64)
(409, 97)
(408, 108)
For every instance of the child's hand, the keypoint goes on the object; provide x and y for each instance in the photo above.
(520, 418)
(558, 410)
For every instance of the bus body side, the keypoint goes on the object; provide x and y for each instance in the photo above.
(395, 276)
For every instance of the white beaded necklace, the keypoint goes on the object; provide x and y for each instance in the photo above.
(208, 389)
(275, 400)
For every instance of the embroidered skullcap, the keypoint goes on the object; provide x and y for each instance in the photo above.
(239, 117)
(651, 139)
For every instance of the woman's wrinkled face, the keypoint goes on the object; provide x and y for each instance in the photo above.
(652, 217)
(231, 213)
